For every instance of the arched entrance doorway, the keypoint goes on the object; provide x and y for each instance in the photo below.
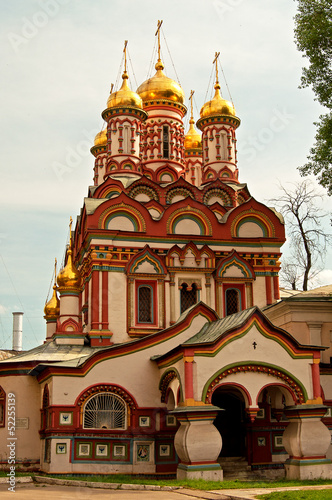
(231, 423)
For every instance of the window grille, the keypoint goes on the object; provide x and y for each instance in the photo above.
(188, 296)
(232, 301)
(105, 411)
(165, 142)
(145, 304)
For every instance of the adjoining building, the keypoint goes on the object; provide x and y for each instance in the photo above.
(167, 344)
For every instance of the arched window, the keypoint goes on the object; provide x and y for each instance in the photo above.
(232, 301)
(188, 296)
(145, 305)
(165, 141)
(105, 411)
(2, 407)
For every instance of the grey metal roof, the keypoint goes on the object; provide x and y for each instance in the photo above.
(212, 331)
(52, 352)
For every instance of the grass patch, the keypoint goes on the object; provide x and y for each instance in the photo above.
(299, 495)
(198, 484)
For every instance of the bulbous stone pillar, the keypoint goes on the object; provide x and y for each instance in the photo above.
(307, 440)
(198, 443)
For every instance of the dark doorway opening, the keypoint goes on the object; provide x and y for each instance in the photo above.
(231, 423)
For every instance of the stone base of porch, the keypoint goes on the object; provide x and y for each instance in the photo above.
(308, 469)
(209, 472)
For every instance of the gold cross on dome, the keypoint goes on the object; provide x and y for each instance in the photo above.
(215, 61)
(158, 33)
(125, 55)
(192, 92)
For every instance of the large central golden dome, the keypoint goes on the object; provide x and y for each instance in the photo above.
(160, 87)
(124, 96)
(217, 105)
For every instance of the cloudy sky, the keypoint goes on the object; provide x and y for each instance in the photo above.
(59, 58)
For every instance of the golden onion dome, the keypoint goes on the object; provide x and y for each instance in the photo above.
(160, 87)
(69, 277)
(124, 96)
(52, 308)
(217, 105)
(101, 138)
(193, 139)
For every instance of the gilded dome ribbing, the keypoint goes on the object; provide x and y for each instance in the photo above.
(69, 277)
(101, 138)
(217, 105)
(160, 87)
(124, 96)
(52, 308)
(192, 139)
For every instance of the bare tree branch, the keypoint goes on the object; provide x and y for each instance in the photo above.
(309, 241)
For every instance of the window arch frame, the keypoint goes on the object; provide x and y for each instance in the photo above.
(240, 288)
(141, 307)
(183, 290)
(112, 412)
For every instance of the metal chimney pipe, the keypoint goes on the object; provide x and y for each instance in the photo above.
(17, 331)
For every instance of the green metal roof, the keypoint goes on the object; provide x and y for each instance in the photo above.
(212, 331)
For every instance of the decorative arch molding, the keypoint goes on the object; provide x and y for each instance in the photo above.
(166, 173)
(111, 192)
(190, 214)
(165, 381)
(222, 194)
(69, 326)
(198, 254)
(297, 388)
(241, 198)
(146, 256)
(234, 259)
(113, 166)
(255, 217)
(279, 386)
(122, 210)
(103, 388)
(128, 164)
(232, 385)
(143, 190)
(184, 192)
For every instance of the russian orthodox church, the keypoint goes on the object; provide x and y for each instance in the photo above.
(168, 348)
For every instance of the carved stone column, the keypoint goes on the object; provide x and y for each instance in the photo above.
(198, 443)
(307, 440)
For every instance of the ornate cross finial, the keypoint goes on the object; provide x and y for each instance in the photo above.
(158, 33)
(215, 61)
(125, 55)
(70, 224)
(192, 92)
(55, 263)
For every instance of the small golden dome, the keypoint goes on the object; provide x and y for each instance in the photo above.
(193, 139)
(217, 106)
(124, 96)
(101, 138)
(160, 87)
(52, 308)
(69, 277)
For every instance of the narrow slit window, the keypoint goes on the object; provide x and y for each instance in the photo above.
(188, 296)
(232, 301)
(165, 141)
(145, 304)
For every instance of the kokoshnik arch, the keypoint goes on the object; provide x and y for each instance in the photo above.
(156, 320)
